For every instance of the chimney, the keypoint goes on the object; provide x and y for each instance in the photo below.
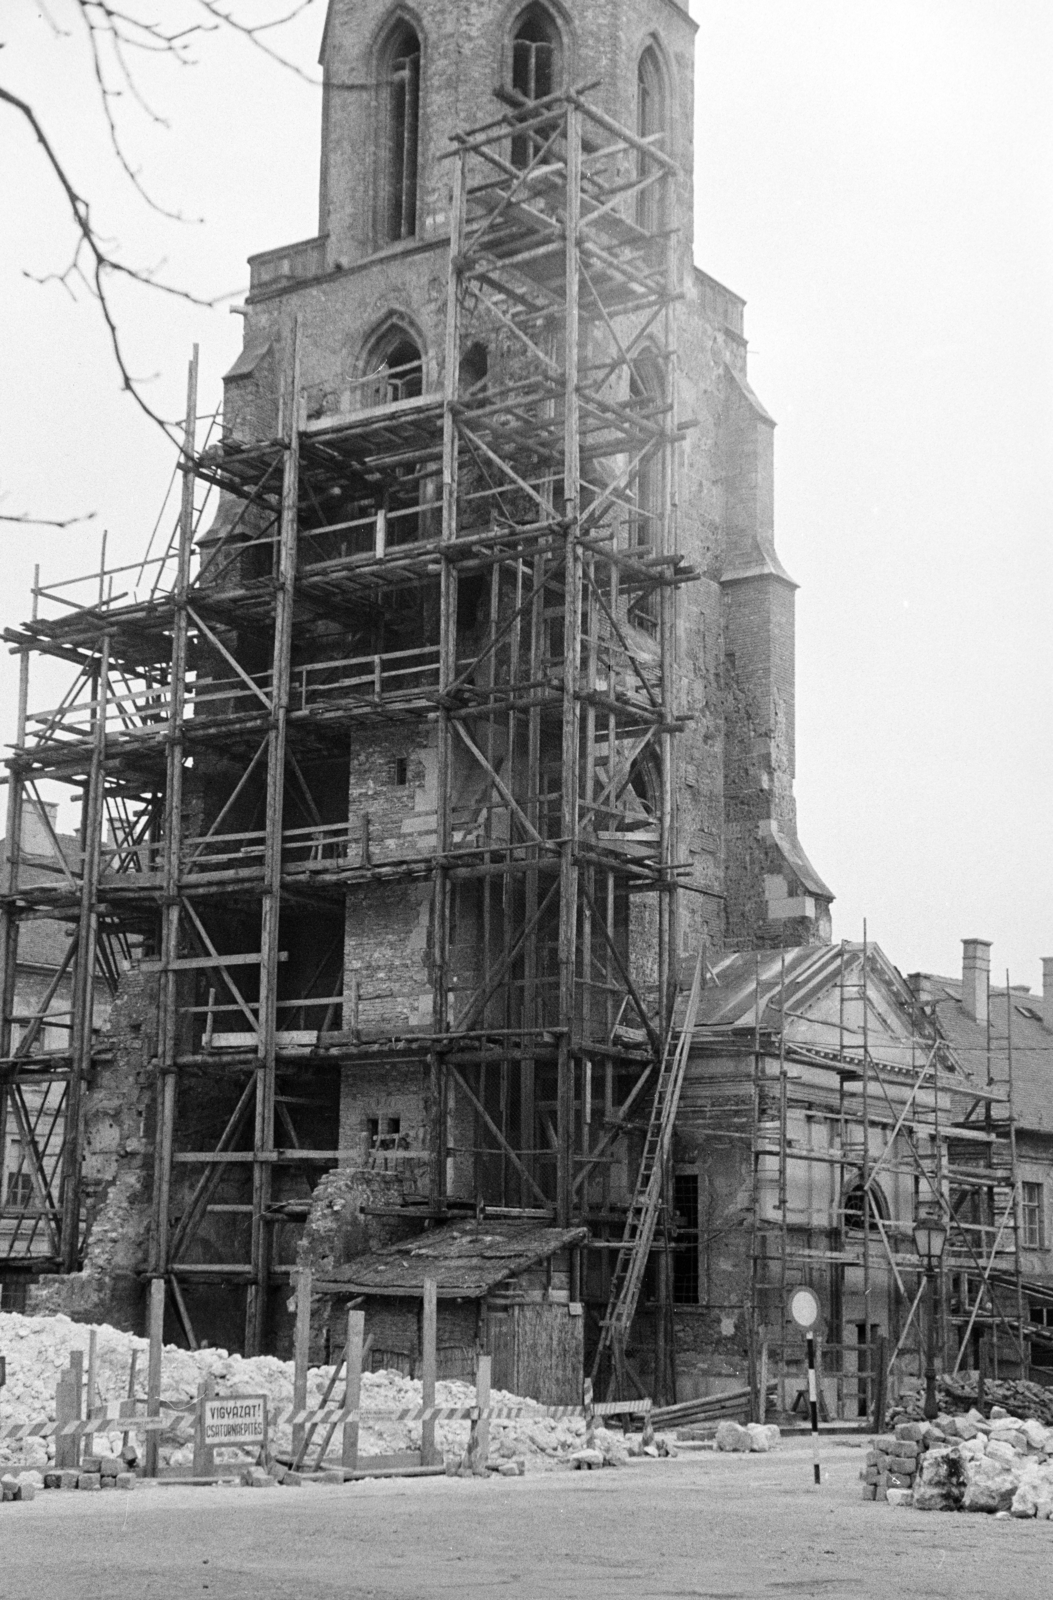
(976, 978)
(36, 841)
(1047, 993)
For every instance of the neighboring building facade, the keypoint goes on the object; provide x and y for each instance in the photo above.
(33, 1088)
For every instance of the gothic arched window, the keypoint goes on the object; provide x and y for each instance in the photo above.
(651, 118)
(399, 77)
(395, 360)
(536, 70)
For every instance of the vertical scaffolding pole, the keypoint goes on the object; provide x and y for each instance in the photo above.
(447, 672)
(9, 922)
(1018, 1194)
(568, 867)
(173, 838)
(82, 1007)
(263, 1137)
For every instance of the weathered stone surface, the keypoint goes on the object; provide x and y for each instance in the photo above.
(125, 1480)
(732, 1436)
(89, 1480)
(913, 1432)
(1000, 1450)
(1025, 1501)
(992, 1494)
(900, 1497)
(930, 1497)
(763, 1435)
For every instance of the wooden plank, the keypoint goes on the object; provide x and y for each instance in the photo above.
(156, 1312)
(356, 1327)
(301, 1352)
(429, 1328)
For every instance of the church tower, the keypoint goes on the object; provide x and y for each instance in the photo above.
(467, 727)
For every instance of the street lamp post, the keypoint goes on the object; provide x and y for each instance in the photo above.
(930, 1237)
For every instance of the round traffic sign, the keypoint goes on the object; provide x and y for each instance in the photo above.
(804, 1307)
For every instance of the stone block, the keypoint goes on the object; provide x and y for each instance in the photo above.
(930, 1497)
(109, 1466)
(125, 1480)
(26, 1491)
(89, 1480)
(908, 1448)
(107, 1483)
(870, 1491)
(69, 1479)
(1001, 1450)
(880, 1491)
(911, 1432)
(870, 1474)
(52, 1480)
(732, 1436)
(992, 1495)
(900, 1497)
(900, 1480)
(903, 1466)
(91, 1464)
(886, 1443)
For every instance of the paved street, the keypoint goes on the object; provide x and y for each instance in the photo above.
(720, 1527)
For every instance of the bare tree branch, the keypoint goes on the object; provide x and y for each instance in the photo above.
(24, 520)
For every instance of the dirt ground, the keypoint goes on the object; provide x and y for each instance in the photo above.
(733, 1527)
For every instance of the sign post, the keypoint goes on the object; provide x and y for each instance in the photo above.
(804, 1310)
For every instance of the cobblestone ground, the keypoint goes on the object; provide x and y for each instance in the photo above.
(722, 1527)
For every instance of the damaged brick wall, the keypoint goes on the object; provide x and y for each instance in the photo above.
(117, 1171)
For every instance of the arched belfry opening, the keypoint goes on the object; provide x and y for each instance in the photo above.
(396, 366)
(398, 75)
(536, 54)
(537, 71)
(652, 122)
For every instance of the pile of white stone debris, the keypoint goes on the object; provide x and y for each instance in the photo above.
(37, 1350)
(1001, 1464)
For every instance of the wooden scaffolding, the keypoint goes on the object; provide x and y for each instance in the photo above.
(213, 699)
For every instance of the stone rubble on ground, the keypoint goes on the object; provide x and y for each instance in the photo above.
(38, 1349)
(1001, 1465)
(759, 1436)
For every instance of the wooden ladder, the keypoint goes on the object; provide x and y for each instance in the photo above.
(646, 1205)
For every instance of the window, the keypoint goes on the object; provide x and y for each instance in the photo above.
(647, 487)
(19, 1191)
(856, 1202)
(535, 72)
(650, 120)
(1034, 1221)
(400, 79)
(685, 1239)
(395, 360)
(401, 774)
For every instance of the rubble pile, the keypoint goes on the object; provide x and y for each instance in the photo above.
(37, 1350)
(961, 1393)
(1002, 1465)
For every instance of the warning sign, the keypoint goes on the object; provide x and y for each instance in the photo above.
(239, 1419)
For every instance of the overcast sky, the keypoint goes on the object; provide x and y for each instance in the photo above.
(875, 179)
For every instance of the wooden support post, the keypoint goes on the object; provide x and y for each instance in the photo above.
(879, 1380)
(155, 1331)
(482, 1401)
(301, 1353)
(67, 1410)
(762, 1384)
(204, 1454)
(356, 1327)
(130, 1406)
(590, 1415)
(91, 1398)
(429, 1329)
